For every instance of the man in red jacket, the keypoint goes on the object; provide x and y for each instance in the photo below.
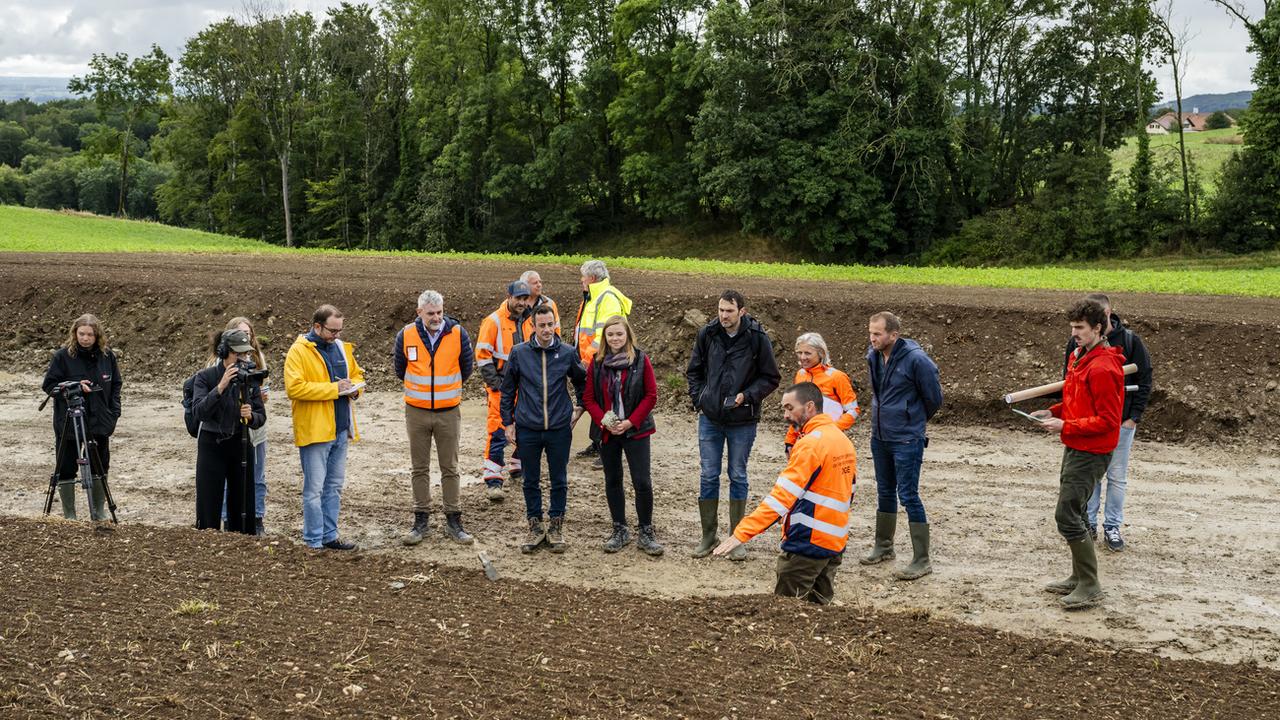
(1088, 421)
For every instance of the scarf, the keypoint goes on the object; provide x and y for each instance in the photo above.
(614, 365)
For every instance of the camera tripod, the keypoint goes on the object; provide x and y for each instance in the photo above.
(87, 459)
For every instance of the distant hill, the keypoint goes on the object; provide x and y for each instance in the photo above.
(36, 89)
(1212, 102)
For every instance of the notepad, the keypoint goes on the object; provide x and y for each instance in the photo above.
(354, 389)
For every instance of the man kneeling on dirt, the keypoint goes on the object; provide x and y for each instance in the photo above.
(1088, 421)
(811, 498)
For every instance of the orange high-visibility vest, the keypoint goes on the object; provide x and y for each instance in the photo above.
(498, 335)
(433, 382)
(842, 402)
(812, 495)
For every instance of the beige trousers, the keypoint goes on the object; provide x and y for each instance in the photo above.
(444, 427)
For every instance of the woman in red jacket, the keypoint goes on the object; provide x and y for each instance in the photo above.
(620, 395)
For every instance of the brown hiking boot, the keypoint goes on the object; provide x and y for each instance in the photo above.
(537, 536)
(555, 535)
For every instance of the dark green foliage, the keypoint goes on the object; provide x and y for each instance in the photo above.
(1218, 120)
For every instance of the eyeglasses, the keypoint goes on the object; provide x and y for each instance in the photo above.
(330, 330)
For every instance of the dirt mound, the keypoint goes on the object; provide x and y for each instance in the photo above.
(174, 623)
(1216, 359)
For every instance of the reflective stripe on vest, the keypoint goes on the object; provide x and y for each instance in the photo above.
(432, 382)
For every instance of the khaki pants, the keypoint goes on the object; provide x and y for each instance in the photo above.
(445, 427)
(1081, 473)
(807, 578)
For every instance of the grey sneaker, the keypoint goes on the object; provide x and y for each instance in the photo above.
(620, 538)
(495, 493)
(1115, 543)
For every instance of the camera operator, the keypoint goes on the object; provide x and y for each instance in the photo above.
(257, 436)
(223, 460)
(85, 358)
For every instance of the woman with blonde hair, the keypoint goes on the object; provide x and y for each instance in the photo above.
(839, 399)
(620, 396)
(85, 357)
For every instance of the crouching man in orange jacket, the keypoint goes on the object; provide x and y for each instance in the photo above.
(811, 499)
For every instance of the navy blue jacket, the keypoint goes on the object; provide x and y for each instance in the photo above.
(466, 358)
(905, 392)
(537, 376)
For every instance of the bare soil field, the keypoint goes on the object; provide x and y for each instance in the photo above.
(94, 623)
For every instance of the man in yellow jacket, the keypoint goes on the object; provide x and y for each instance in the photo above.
(811, 499)
(600, 301)
(323, 380)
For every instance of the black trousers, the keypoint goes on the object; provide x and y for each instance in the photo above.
(64, 442)
(638, 462)
(218, 469)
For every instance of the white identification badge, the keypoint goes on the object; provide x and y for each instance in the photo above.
(413, 354)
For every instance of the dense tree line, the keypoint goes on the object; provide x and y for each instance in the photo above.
(948, 130)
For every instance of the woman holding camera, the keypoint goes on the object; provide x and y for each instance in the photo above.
(257, 436)
(620, 396)
(85, 359)
(225, 400)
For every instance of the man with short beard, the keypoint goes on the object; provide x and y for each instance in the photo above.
(500, 332)
(433, 358)
(1088, 423)
(810, 499)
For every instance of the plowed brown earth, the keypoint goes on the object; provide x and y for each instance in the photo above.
(144, 622)
(94, 621)
(1218, 358)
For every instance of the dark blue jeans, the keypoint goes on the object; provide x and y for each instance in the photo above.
(712, 439)
(530, 445)
(898, 476)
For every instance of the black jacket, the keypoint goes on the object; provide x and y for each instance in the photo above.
(219, 414)
(1134, 351)
(723, 366)
(102, 408)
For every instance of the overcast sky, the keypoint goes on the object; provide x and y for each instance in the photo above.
(57, 37)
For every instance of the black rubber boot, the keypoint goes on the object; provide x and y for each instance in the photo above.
(1088, 591)
(537, 536)
(886, 526)
(920, 565)
(421, 526)
(709, 513)
(620, 538)
(648, 541)
(737, 509)
(453, 528)
(67, 496)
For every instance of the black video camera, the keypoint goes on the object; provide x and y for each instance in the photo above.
(249, 372)
(72, 392)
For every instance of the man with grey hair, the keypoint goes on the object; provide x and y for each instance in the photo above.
(433, 358)
(537, 300)
(600, 301)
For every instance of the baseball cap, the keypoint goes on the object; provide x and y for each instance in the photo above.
(237, 340)
(519, 288)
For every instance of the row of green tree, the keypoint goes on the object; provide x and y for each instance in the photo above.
(948, 130)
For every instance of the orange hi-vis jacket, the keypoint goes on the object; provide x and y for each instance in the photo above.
(842, 401)
(812, 495)
(433, 382)
(499, 333)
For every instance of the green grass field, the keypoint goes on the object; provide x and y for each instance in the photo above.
(27, 230)
(1208, 151)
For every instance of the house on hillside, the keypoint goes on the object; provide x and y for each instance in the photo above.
(1193, 121)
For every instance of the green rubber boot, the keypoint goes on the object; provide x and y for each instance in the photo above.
(737, 509)
(920, 565)
(1087, 592)
(886, 526)
(99, 496)
(709, 513)
(67, 494)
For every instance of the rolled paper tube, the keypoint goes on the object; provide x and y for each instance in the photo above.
(1051, 388)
